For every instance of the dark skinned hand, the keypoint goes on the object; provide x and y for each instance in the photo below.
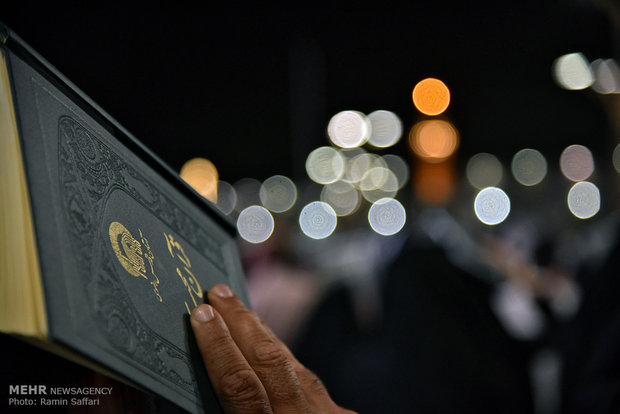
(251, 370)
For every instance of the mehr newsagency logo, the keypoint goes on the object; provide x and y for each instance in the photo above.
(43, 396)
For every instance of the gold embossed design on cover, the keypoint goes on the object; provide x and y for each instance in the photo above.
(188, 278)
(129, 252)
(89, 172)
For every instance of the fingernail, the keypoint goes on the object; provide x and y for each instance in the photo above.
(203, 313)
(222, 291)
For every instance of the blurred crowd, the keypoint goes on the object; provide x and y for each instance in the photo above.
(517, 318)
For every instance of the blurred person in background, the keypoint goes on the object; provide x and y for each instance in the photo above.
(516, 329)
(590, 342)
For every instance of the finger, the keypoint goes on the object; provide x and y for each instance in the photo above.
(313, 388)
(235, 383)
(272, 365)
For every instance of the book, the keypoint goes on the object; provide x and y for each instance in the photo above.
(104, 250)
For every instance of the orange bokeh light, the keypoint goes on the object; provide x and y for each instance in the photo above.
(202, 176)
(431, 96)
(434, 184)
(433, 139)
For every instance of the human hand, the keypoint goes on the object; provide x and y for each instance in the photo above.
(250, 368)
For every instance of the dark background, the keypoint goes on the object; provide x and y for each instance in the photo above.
(252, 87)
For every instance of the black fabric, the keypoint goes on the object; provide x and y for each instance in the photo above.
(438, 349)
(591, 342)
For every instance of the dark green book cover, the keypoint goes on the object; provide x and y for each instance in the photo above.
(125, 248)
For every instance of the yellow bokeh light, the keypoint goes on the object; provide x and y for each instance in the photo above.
(202, 176)
(431, 96)
(434, 140)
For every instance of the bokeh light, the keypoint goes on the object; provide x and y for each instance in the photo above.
(584, 200)
(434, 140)
(248, 193)
(529, 167)
(484, 170)
(375, 178)
(348, 155)
(379, 183)
(431, 96)
(434, 183)
(202, 176)
(278, 193)
(576, 163)
(492, 206)
(325, 165)
(399, 167)
(387, 216)
(606, 76)
(342, 196)
(349, 129)
(255, 224)
(386, 129)
(616, 158)
(318, 220)
(226, 197)
(572, 71)
(359, 165)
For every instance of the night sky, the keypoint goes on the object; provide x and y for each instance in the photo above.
(252, 87)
